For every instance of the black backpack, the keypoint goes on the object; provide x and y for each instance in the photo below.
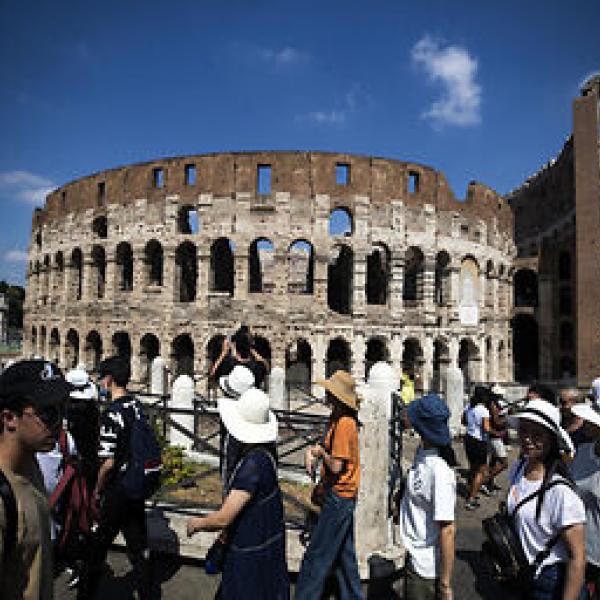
(502, 549)
(142, 473)
(11, 515)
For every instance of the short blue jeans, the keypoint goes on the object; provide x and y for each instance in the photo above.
(331, 547)
(549, 584)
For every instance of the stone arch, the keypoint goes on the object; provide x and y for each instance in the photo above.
(71, 349)
(340, 272)
(76, 287)
(261, 263)
(263, 347)
(341, 222)
(441, 361)
(93, 349)
(213, 348)
(186, 262)
(121, 344)
(99, 271)
(149, 350)
(100, 227)
(526, 288)
(469, 359)
(154, 263)
(414, 267)
(298, 367)
(182, 355)
(339, 356)
(376, 351)
(54, 346)
(378, 274)
(124, 260)
(442, 278)
(412, 360)
(222, 269)
(301, 267)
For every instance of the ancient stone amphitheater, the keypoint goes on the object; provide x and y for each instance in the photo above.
(332, 259)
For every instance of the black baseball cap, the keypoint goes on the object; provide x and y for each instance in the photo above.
(36, 383)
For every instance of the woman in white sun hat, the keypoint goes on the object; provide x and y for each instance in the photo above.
(585, 469)
(254, 566)
(550, 520)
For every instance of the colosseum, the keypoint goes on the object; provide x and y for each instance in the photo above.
(332, 259)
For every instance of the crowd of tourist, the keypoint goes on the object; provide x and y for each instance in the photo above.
(73, 476)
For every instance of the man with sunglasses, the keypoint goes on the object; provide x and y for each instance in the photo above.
(32, 396)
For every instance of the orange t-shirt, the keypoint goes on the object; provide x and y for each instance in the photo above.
(344, 447)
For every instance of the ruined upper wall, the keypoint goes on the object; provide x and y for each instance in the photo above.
(301, 174)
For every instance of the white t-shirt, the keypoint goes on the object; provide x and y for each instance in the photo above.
(429, 497)
(585, 470)
(475, 416)
(561, 508)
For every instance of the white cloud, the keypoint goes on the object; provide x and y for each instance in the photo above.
(25, 186)
(284, 57)
(353, 100)
(328, 117)
(15, 256)
(455, 69)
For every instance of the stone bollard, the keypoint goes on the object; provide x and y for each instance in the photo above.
(182, 397)
(454, 391)
(158, 376)
(372, 528)
(279, 400)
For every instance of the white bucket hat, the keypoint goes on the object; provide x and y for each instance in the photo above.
(587, 412)
(595, 390)
(239, 380)
(249, 419)
(84, 386)
(548, 415)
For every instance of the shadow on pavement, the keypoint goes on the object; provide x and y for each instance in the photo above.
(485, 585)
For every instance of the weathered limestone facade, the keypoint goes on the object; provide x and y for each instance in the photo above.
(157, 259)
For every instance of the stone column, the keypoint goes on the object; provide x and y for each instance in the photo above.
(358, 357)
(453, 348)
(427, 370)
(182, 397)
(359, 283)
(429, 286)
(454, 290)
(319, 354)
(111, 268)
(170, 276)
(241, 275)
(87, 294)
(397, 283)
(203, 283)
(139, 273)
(320, 276)
(396, 350)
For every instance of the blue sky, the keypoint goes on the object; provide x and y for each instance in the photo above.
(479, 90)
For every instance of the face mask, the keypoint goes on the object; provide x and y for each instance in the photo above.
(102, 392)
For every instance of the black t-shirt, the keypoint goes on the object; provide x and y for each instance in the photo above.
(115, 425)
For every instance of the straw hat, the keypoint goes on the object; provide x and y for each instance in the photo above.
(239, 380)
(249, 419)
(341, 384)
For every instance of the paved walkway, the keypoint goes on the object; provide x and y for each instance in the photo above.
(186, 580)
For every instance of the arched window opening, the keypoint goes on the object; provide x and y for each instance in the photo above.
(262, 346)
(468, 357)
(43, 340)
(567, 367)
(378, 275)
(149, 350)
(298, 369)
(339, 279)
(441, 360)
(376, 352)
(34, 340)
(442, 278)
(100, 227)
(54, 348)
(38, 239)
(566, 336)
(125, 266)
(412, 361)
(340, 222)
(46, 280)
(188, 220)
(301, 268)
(565, 300)
(526, 288)
(564, 266)
(153, 259)
(121, 345)
(77, 271)
(187, 271)
(99, 270)
(414, 265)
(182, 355)
(93, 349)
(72, 349)
(338, 357)
(221, 266)
(525, 348)
(261, 256)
